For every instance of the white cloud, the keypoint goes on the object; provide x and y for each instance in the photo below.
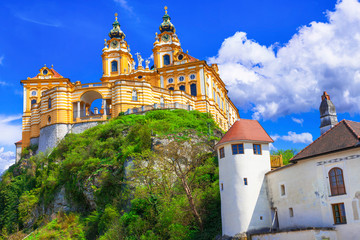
(297, 120)
(295, 137)
(272, 147)
(10, 131)
(2, 83)
(6, 159)
(1, 59)
(124, 4)
(52, 23)
(279, 80)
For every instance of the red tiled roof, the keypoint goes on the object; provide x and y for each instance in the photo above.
(192, 59)
(56, 74)
(344, 135)
(247, 130)
(18, 142)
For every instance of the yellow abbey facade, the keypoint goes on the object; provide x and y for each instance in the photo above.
(53, 105)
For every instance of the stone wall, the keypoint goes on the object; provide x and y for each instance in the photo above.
(51, 135)
(34, 141)
(80, 127)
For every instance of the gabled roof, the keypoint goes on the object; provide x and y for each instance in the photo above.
(52, 73)
(246, 130)
(344, 135)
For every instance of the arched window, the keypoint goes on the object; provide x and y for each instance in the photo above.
(182, 88)
(114, 66)
(49, 103)
(336, 179)
(33, 101)
(134, 95)
(166, 59)
(171, 88)
(193, 89)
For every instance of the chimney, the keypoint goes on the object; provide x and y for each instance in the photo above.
(328, 115)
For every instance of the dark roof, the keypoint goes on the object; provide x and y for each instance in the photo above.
(246, 130)
(344, 135)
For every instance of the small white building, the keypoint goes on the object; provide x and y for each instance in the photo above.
(315, 197)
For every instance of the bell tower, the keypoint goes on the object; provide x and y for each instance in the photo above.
(166, 44)
(116, 55)
(328, 114)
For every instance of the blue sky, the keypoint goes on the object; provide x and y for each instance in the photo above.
(276, 57)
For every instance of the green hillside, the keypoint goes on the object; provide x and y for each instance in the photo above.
(152, 176)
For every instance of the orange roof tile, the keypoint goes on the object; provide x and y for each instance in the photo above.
(18, 142)
(246, 130)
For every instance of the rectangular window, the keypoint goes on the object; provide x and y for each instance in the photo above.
(291, 212)
(222, 152)
(245, 181)
(237, 148)
(282, 190)
(257, 149)
(339, 213)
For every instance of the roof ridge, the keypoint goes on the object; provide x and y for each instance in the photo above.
(352, 130)
(321, 136)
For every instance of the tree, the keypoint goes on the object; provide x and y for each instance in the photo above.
(172, 162)
(286, 154)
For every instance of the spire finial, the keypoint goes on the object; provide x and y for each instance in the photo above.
(52, 65)
(116, 16)
(165, 9)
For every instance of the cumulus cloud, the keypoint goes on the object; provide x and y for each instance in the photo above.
(305, 137)
(10, 131)
(6, 159)
(297, 120)
(274, 81)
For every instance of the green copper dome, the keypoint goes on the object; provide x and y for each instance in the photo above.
(116, 31)
(166, 25)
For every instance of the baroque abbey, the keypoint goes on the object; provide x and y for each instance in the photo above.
(54, 106)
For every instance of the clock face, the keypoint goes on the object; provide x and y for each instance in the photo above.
(114, 43)
(166, 37)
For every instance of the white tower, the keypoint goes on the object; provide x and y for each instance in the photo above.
(244, 158)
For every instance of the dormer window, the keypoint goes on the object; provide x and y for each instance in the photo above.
(166, 59)
(114, 66)
(45, 72)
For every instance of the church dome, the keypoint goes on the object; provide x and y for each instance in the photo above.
(166, 25)
(116, 31)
